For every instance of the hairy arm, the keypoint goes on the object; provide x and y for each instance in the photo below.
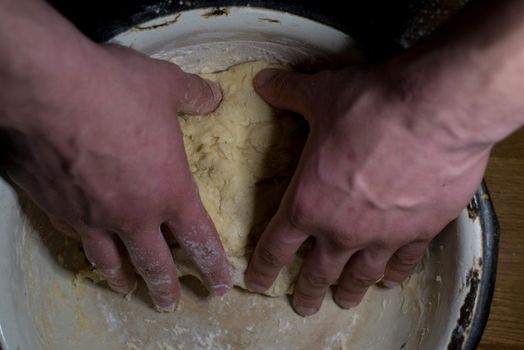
(475, 64)
(396, 151)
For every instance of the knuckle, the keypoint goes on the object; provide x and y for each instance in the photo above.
(365, 282)
(407, 259)
(305, 297)
(348, 292)
(361, 279)
(343, 242)
(121, 284)
(301, 214)
(162, 293)
(106, 215)
(317, 281)
(154, 271)
(271, 257)
(404, 266)
(114, 214)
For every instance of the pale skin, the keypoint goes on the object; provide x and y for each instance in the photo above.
(396, 150)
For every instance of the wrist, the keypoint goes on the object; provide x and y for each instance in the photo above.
(466, 102)
(42, 65)
(464, 82)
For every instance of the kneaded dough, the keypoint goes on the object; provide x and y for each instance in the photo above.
(242, 157)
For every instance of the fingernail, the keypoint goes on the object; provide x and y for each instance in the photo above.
(390, 284)
(345, 304)
(215, 90)
(264, 77)
(166, 308)
(255, 287)
(220, 289)
(305, 311)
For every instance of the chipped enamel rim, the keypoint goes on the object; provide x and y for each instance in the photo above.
(475, 310)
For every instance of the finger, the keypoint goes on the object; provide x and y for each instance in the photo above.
(275, 249)
(364, 269)
(63, 227)
(107, 254)
(403, 262)
(197, 235)
(153, 260)
(320, 270)
(285, 89)
(194, 94)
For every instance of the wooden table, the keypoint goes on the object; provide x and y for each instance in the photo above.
(505, 180)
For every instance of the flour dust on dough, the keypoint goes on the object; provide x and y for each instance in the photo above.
(242, 157)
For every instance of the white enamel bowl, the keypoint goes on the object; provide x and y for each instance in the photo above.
(444, 305)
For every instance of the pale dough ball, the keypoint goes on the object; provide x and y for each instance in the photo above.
(242, 157)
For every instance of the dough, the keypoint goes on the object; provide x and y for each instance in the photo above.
(242, 157)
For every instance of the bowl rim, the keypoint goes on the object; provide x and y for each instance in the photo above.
(481, 207)
(376, 31)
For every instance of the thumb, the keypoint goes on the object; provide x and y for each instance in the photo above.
(191, 93)
(285, 90)
(194, 94)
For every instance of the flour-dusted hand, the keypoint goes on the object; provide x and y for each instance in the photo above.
(395, 151)
(90, 133)
(372, 187)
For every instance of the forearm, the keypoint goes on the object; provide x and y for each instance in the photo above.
(39, 49)
(470, 74)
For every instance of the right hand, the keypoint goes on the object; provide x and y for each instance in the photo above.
(377, 180)
(99, 149)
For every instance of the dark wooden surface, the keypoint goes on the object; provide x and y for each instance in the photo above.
(505, 180)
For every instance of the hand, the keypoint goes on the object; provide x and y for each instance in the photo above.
(377, 180)
(100, 150)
